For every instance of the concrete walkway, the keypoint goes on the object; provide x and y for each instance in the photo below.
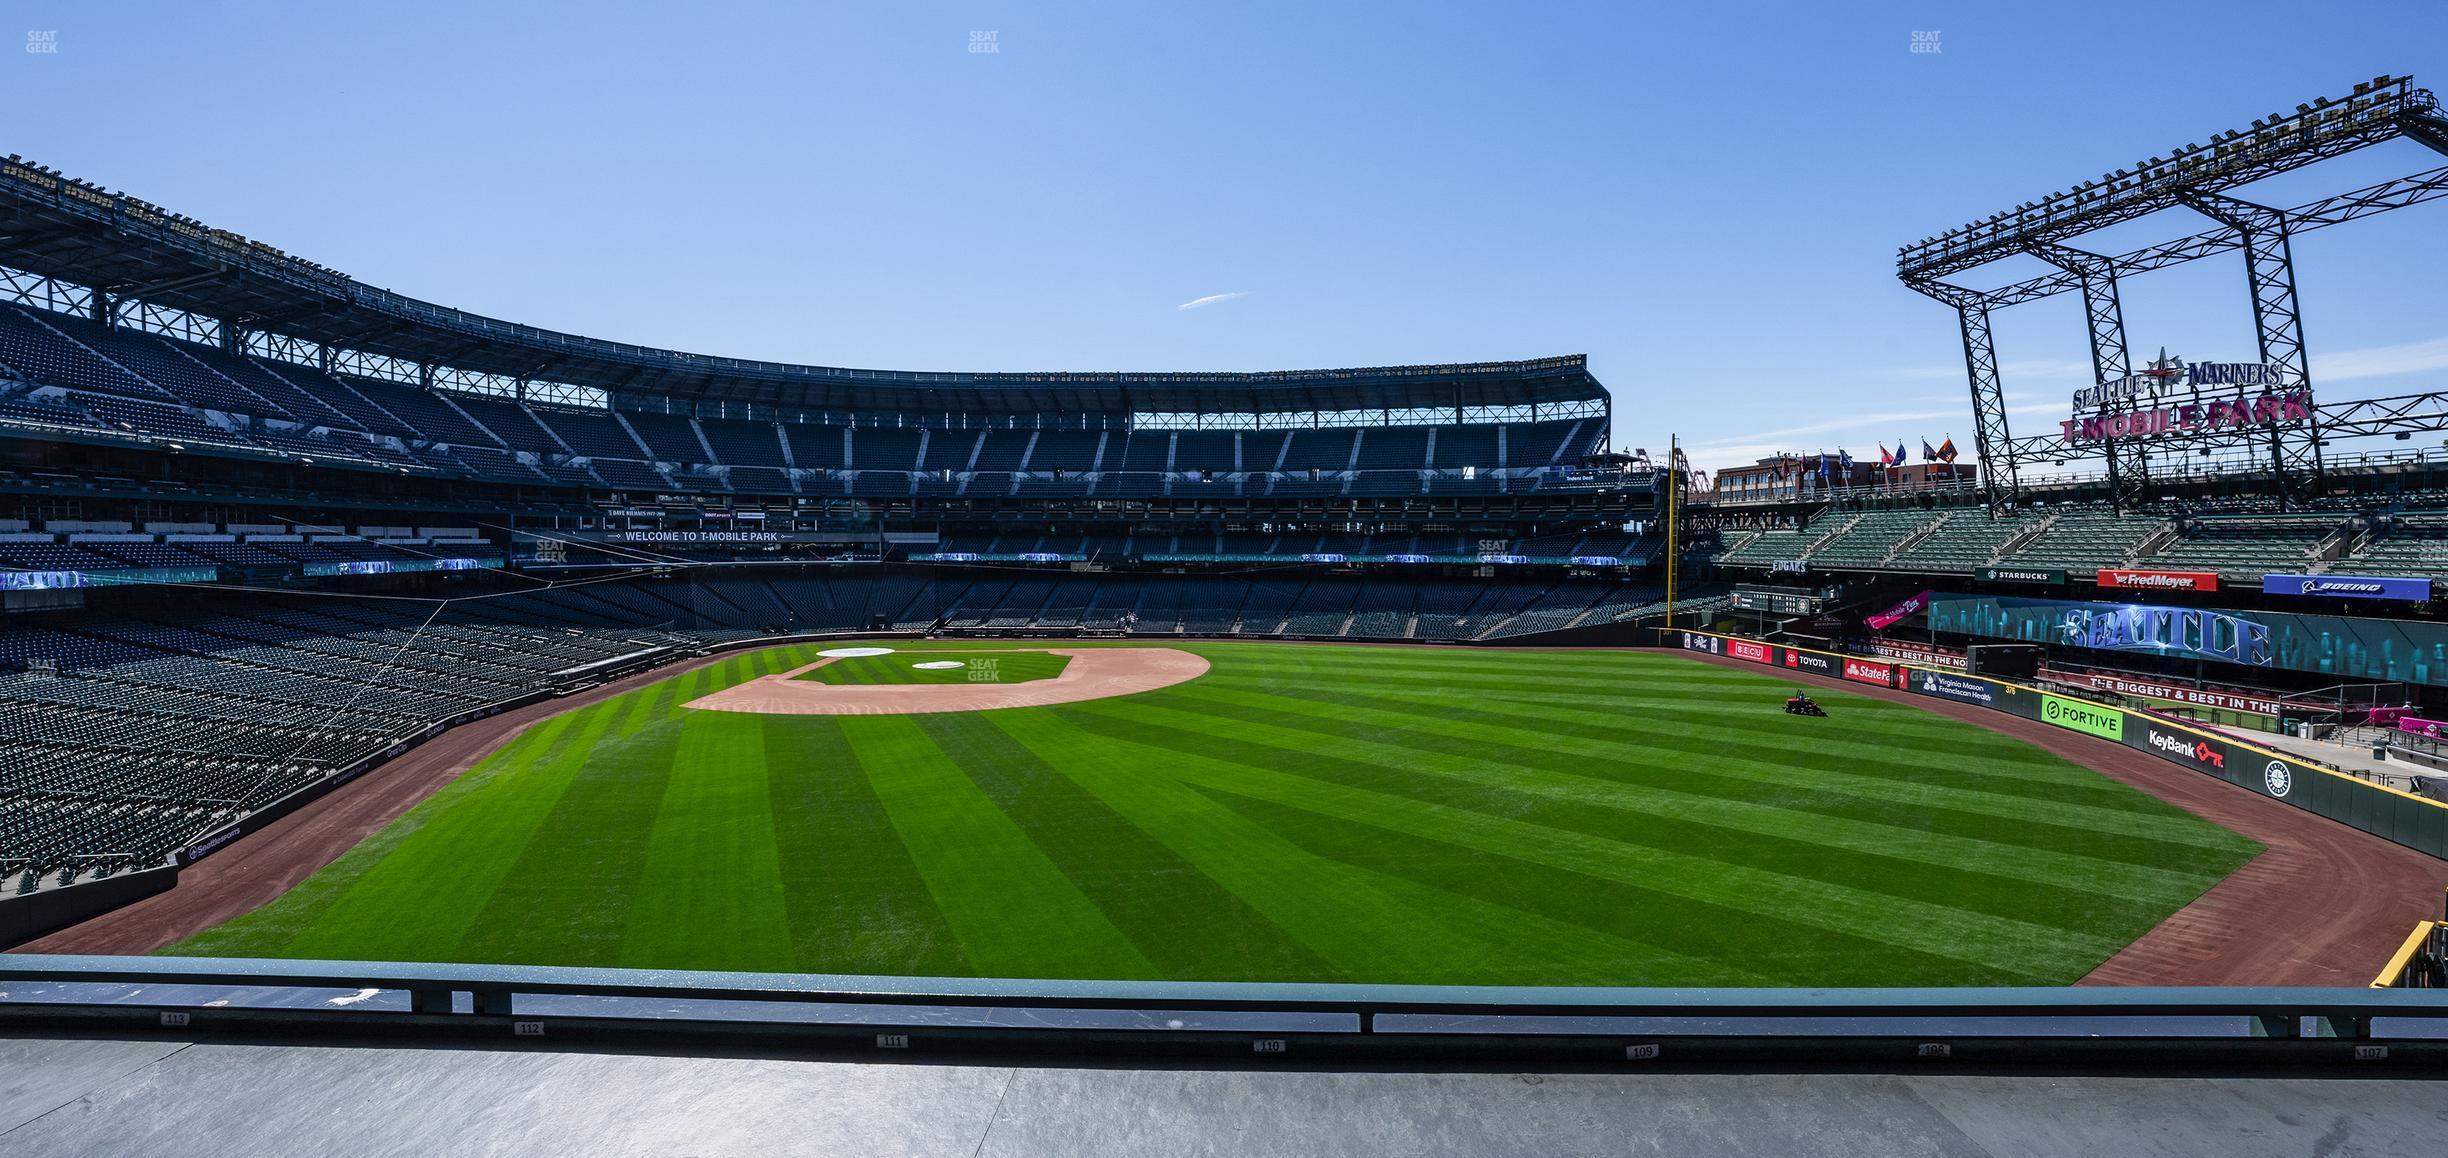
(72, 1096)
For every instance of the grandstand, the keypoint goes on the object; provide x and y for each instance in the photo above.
(187, 486)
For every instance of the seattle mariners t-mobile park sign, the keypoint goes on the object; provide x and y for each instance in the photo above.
(2280, 402)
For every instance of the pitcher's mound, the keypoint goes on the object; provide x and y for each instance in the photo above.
(1093, 674)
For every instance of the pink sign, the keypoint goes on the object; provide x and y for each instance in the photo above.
(2422, 727)
(1899, 613)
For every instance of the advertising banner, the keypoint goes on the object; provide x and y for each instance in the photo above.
(2359, 648)
(1862, 671)
(2122, 580)
(2176, 693)
(1811, 661)
(1899, 613)
(1750, 649)
(2348, 587)
(1962, 689)
(1914, 653)
(2021, 575)
(1698, 642)
(2105, 723)
(2183, 747)
(2422, 727)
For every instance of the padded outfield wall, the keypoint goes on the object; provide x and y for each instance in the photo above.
(2413, 821)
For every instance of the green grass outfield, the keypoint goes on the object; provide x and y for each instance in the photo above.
(1006, 667)
(1312, 813)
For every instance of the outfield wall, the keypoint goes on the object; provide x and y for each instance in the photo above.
(2413, 821)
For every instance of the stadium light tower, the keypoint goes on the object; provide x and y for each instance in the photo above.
(2196, 176)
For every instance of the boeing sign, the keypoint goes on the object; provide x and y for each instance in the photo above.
(2349, 587)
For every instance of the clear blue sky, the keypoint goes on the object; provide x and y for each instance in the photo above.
(1706, 199)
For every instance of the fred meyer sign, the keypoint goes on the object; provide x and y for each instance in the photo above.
(2122, 580)
(2106, 723)
(2348, 587)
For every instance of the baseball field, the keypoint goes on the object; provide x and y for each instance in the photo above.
(1311, 813)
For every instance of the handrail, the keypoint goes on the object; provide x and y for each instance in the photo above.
(491, 984)
(2394, 972)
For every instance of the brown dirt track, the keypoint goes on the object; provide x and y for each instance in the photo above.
(2325, 905)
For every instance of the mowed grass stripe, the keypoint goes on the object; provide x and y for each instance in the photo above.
(1366, 924)
(710, 896)
(1191, 927)
(1748, 721)
(271, 930)
(587, 857)
(1989, 849)
(1015, 913)
(1807, 900)
(1871, 780)
(2031, 899)
(418, 903)
(1747, 948)
(855, 900)
(1737, 769)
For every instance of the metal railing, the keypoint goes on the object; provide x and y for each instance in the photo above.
(1573, 1025)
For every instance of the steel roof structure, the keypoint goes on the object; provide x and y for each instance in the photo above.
(125, 248)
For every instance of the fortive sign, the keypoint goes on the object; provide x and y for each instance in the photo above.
(2348, 587)
(2122, 580)
(2105, 723)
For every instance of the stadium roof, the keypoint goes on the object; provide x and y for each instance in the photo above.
(61, 228)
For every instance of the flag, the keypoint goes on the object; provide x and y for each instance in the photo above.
(1946, 450)
(1927, 455)
(1885, 459)
(1903, 453)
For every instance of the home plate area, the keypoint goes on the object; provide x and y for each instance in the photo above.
(874, 681)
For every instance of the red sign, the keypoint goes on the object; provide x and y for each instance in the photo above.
(1864, 671)
(2159, 580)
(1745, 649)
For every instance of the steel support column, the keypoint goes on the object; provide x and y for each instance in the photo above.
(1990, 437)
(2128, 458)
(2269, 268)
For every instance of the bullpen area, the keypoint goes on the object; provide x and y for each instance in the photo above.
(1291, 813)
